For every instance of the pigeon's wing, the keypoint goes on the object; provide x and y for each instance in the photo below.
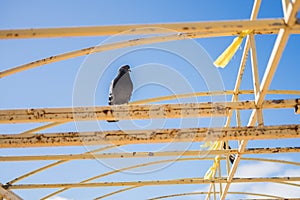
(122, 90)
(111, 96)
(130, 88)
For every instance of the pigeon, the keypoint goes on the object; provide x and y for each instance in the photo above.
(121, 88)
(231, 156)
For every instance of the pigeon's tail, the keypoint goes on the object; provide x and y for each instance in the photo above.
(231, 156)
(110, 98)
(112, 121)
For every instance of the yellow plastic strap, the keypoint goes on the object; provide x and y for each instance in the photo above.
(212, 170)
(226, 56)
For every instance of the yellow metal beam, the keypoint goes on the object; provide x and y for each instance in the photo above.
(40, 128)
(255, 77)
(149, 136)
(116, 192)
(155, 182)
(59, 162)
(132, 112)
(262, 26)
(179, 96)
(165, 161)
(219, 29)
(69, 157)
(280, 43)
(236, 91)
(95, 49)
(8, 194)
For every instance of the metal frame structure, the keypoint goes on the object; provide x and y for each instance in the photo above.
(255, 129)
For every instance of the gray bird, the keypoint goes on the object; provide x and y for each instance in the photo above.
(121, 88)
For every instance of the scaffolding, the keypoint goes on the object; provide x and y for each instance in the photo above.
(218, 185)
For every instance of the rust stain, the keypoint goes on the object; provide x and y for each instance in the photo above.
(134, 40)
(277, 24)
(278, 101)
(150, 154)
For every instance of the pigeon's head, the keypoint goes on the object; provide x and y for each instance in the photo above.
(124, 69)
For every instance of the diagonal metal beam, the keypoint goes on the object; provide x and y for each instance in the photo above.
(8, 194)
(255, 78)
(160, 162)
(59, 162)
(237, 193)
(278, 48)
(254, 13)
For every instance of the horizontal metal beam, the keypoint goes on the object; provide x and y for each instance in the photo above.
(148, 136)
(155, 182)
(132, 112)
(131, 155)
(261, 26)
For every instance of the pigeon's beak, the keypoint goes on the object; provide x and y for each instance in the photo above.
(129, 70)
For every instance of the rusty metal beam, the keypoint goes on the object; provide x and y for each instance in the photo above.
(261, 26)
(234, 98)
(131, 112)
(238, 81)
(149, 136)
(178, 96)
(155, 182)
(8, 194)
(255, 77)
(280, 43)
(236, 27)
(131, 155)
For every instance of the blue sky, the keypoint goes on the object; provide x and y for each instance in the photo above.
(53, 85)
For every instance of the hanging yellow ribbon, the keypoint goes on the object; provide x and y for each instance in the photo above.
(226, 56)
(212, 170)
